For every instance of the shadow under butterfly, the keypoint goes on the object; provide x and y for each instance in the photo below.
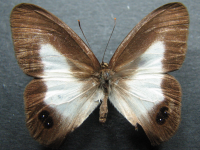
(69, 82)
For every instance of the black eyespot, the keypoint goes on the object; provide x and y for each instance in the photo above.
(160, 120)
(162, 116)
(43, 115)
(48, 123)
(46, 119)
(164, 112)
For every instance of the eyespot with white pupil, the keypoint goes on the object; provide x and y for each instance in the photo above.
(48, 123)
(46, 119)
(43, 115)
(162, 116)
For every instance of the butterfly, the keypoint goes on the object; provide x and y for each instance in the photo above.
(69, 82)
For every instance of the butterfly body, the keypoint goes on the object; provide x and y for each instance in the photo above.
(69, 82)
(105, 80)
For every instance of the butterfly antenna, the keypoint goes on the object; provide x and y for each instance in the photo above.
(83, 34)
(109, 40)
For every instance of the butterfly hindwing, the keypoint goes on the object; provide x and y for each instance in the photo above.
(151, 100)
(55, 107)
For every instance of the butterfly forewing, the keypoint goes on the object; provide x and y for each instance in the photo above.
(35, 31)
(167, 25)
(142, 92)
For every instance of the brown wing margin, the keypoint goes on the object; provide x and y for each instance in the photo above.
(168, 23)
(163, 120)
(32, 26)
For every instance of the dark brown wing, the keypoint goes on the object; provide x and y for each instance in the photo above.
(141, 90)
(33, 28)
(152, 101)
(167, 24)
(55, 107)
(66, 92)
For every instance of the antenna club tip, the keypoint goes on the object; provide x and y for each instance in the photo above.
(114, 18)
(78, 20)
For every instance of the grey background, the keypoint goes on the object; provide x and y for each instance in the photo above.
(97, 22)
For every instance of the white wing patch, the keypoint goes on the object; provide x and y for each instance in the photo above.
(146, 90)
(74, 99)
(63, 90)
(69, 97)
(55, 64)
(151, 60)
(137, 94)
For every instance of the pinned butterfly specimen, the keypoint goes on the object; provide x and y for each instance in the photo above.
(69, 82)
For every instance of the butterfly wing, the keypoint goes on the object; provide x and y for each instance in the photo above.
(166, 26)
(141, 89)
(55, 107)
(33, 29)
(63, 93)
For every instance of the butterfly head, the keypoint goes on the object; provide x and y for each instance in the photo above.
(104, 65)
